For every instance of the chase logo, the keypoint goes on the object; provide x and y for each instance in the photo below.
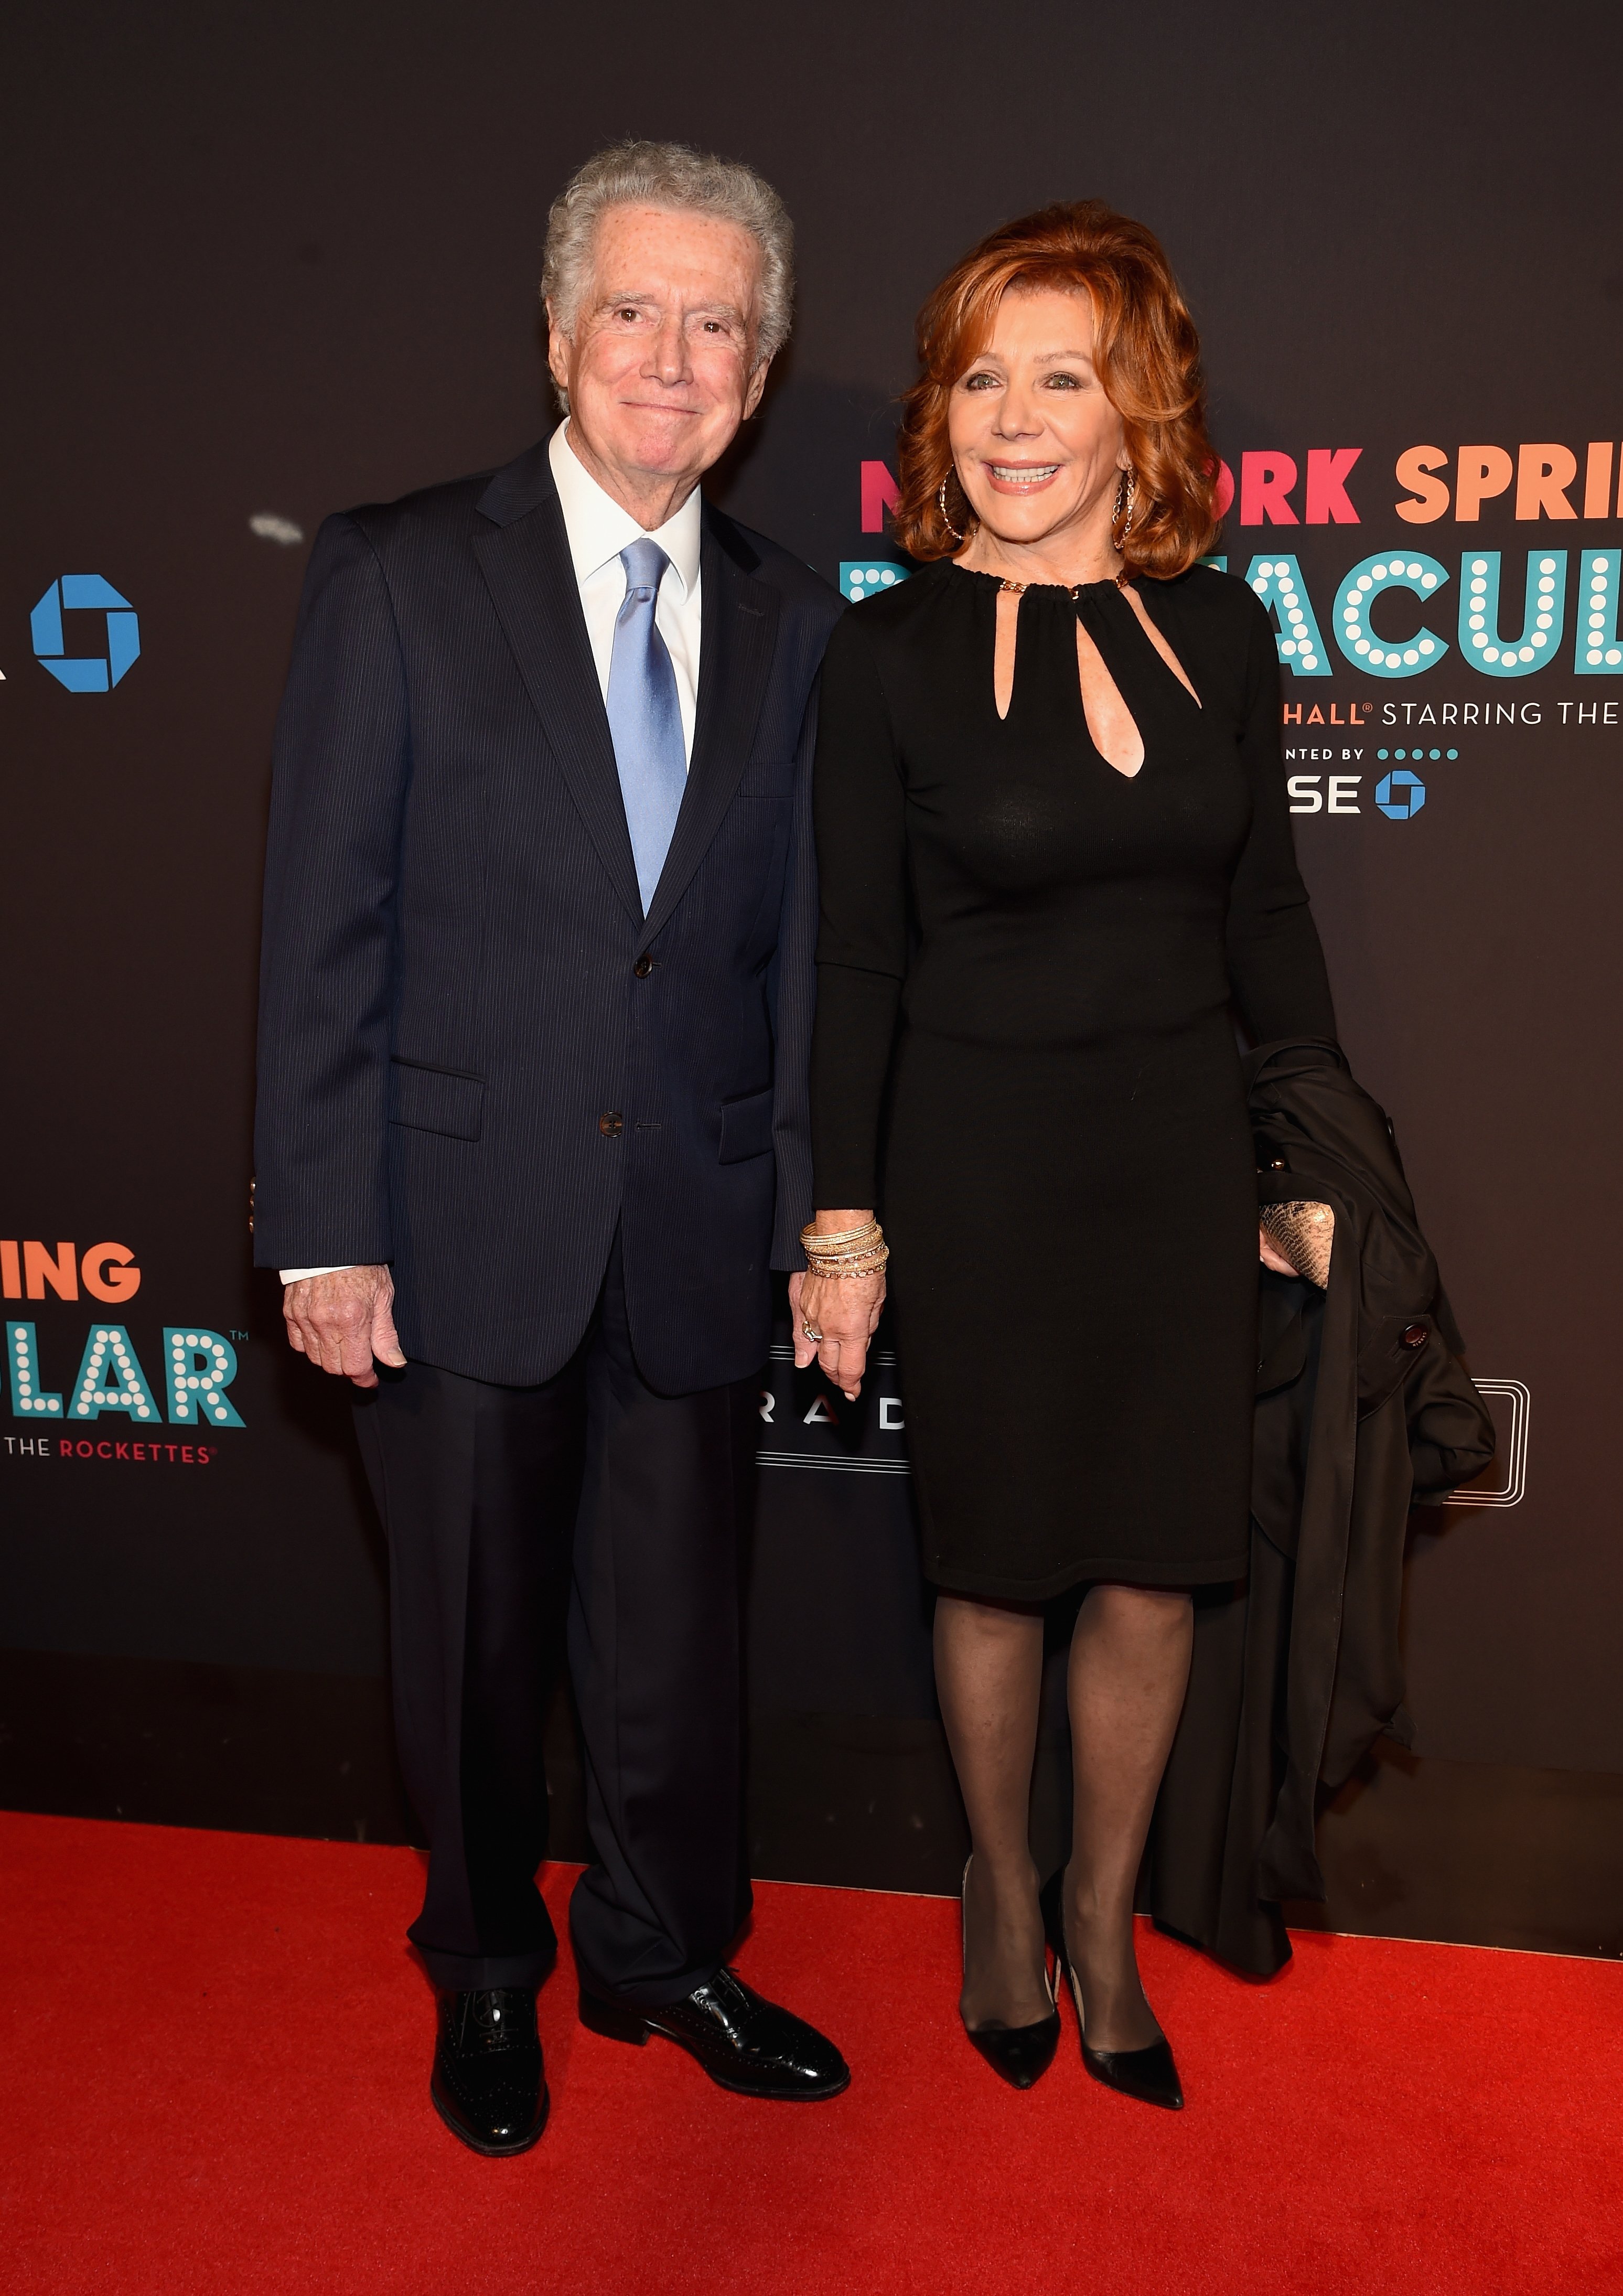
(1400, 794)
(95, 673)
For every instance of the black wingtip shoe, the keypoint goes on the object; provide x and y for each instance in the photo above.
(743, 2042)
(488, 2085)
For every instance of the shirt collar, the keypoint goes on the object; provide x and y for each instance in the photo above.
(599, 529)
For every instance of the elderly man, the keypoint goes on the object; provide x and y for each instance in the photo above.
(536, 1004)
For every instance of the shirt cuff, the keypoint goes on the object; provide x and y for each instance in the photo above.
(298, 1274)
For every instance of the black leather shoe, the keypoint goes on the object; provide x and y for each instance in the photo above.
(1151, 2074)
(1021, 2053)
(1148, 2074)
(743, 2042)
(487, 2083)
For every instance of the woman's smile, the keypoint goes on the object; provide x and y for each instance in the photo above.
(1021, 477)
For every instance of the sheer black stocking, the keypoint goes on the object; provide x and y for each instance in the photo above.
(1129, 1668)
(989, 1676)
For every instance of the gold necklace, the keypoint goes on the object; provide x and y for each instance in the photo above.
(1073, 590)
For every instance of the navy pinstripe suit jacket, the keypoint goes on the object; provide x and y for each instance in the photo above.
(464, 1069)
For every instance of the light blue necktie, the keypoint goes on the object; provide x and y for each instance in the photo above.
(646, 717)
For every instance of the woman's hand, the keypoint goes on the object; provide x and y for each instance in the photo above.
(843, 1311)
(846, 1310)
(1271, 1256)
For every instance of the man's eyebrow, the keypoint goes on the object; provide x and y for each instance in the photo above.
(648, 302)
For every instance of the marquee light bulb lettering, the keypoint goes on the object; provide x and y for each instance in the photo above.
(1279, 582)
(198, 1366)
(1543, 473)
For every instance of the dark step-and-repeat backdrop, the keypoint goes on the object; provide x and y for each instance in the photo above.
(262, 263)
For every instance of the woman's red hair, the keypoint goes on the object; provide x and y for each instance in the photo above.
(1146, 353)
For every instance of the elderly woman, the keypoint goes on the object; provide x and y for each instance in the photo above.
(1054, 849)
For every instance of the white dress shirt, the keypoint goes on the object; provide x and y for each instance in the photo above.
(597, 529)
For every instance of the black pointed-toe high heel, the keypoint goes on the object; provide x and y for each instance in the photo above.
(1020, 2054)
(1151, 2074)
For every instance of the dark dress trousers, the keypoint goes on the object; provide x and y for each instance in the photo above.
(579, 1138)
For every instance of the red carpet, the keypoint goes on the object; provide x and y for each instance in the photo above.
(217, 2060)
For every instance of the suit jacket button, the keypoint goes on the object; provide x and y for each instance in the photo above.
(644, 966)
(612, 1123)
(1413, 1335)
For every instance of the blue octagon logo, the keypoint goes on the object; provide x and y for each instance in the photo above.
(1400, 795)
(95, 673)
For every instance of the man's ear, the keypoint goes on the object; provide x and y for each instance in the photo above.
(757, 383)
(559, 350)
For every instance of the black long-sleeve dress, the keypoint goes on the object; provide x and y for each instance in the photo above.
(1025, 1057)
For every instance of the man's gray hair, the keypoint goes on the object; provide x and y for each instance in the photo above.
(672, 175)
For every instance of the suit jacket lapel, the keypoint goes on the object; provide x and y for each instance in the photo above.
(740, 622)
(524, 557)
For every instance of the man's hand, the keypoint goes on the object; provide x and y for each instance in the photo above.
(342, 1321)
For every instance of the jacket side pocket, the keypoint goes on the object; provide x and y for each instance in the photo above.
(436, 1100)
(746, 1127)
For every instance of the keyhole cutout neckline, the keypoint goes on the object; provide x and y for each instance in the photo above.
(1111, 726)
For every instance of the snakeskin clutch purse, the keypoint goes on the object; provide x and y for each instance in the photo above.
(1302, 1233)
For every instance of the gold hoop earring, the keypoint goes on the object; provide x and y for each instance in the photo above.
(1127, 497)
(941, 506)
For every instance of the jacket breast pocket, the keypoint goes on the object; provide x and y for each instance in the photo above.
(436, 1100)
(746, 1127)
